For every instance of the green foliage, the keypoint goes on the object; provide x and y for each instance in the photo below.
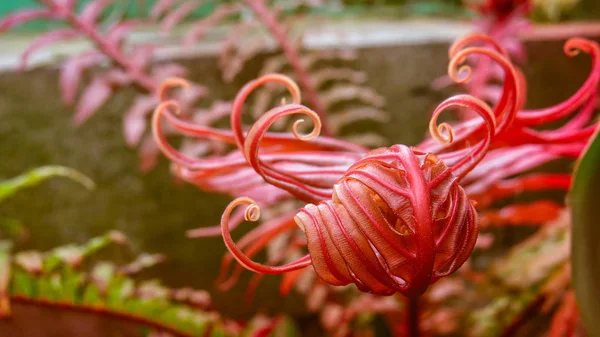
(500, 313)
(59, 276)
(521, 279)
(584, 199)
(67, 278)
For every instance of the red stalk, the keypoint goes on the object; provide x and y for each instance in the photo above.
(113, 53)
(107, 48)
(412, 317)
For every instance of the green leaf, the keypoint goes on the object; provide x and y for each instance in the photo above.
(119, 290)
(46, 289)
(38, 175)
(584, 200)
(71, 281)
(61, 276)
(22, 283)
(91, 295)
(51, 262)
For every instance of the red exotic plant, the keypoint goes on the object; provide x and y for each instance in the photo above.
(392, 220)
(534, 276)
(397, 219)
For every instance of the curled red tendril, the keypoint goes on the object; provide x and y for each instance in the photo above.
(378, 231)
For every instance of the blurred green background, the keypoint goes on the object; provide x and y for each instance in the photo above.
(584, 9)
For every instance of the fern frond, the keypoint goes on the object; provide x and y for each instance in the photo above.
(113, 64)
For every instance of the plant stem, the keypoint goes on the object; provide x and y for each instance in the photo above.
(109, 49)
(412, 316)
(115, 54)
(291, 53)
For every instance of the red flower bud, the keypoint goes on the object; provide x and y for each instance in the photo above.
(397, 221)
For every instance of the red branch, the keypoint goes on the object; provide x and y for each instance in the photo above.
(111, 51)
(102, 311)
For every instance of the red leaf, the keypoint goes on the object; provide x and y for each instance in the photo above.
(160, 7)
(21, 17)
(200, 28)
(92, 99)
(91, 11)
(162, 72)
(69, 4)
(174, 17)
(44, 40)
(120, 30)
(564, 321)
(63, 7)
(71, 72)
(218, 110)
(191, 95)
(134, 122)
(148, 154)
(117, 77)
(142, 55)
